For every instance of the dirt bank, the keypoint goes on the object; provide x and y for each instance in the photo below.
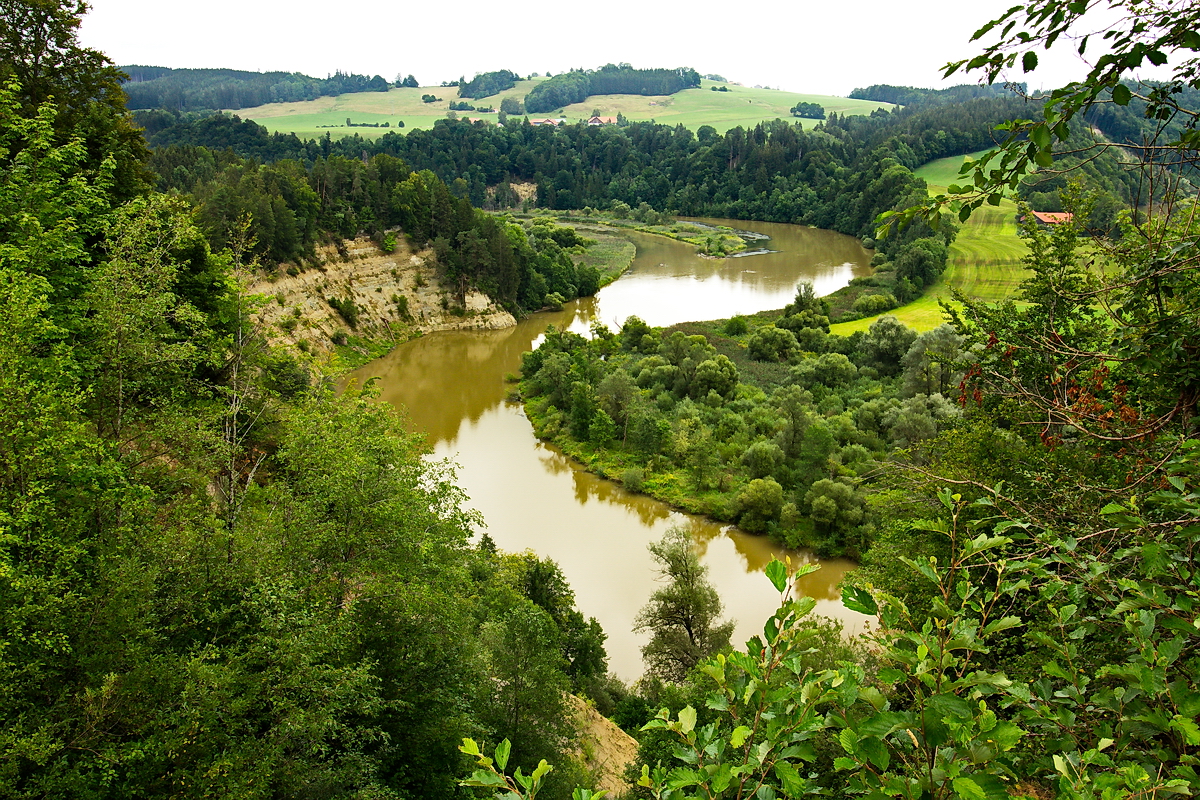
(605, 749)
(395, 296)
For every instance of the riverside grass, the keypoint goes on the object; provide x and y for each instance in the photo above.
(984, 262)
(693, 108)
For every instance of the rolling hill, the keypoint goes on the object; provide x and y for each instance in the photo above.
(692, 108)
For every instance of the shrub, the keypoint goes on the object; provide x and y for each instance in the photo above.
(347, 308)
(761, 501)
(633, 479)
(871, 304)
(401, 302)
(772, 344)
(735, 326)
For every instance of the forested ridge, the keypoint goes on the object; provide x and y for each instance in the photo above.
(210, 89)
(840, 176)
(219, 577)
(487, 84)
(578, 85)
(911, 95)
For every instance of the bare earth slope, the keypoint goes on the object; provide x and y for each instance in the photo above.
(605, 749)
(297, 307)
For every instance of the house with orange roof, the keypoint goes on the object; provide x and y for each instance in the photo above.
(1050, 217)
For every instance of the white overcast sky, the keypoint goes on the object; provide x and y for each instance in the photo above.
(826, 47)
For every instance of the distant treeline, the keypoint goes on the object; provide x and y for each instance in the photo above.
(840, 176)
(911, 95)
(578, 85)
(773, 172)
(487, 84)
(205, 89)
(1128, 124)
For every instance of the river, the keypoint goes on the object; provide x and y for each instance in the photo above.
(532, 497)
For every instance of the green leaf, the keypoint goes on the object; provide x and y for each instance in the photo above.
(687, 719)
(950, 706)
(738, 737)
(993, 788)
(883, 723)
(858, 599)
(984, 542)
(1002, 624)
(502, 751)
(793, 784)
(1121, 94)
(1187, 727)
(483, 778)
(968, 789)
(1029, 61)
(721, 779)
(777, 572)
(923, 566)
(891, 676)
(876, 751)
(872, 696)
(1005, 735)
(587, 794)
(470, 747)
(1040, 136)
(841, 762)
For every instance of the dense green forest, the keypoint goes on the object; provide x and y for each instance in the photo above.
(578, 85)
(290, 208)
(207, 89)
(911, 95)
(772, 427)
(220, 577)
(840, 176)
(487, 84)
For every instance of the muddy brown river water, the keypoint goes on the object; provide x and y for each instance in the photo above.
(532, 497)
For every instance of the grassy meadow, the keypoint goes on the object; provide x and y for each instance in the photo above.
(984, 263)
(692, 108)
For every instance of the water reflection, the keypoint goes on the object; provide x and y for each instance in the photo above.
(532, 496)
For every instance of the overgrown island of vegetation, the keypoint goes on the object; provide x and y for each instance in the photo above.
(220, 577)
(773, 427)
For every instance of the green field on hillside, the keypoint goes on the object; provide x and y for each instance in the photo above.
(985, 259)
(692, 108)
